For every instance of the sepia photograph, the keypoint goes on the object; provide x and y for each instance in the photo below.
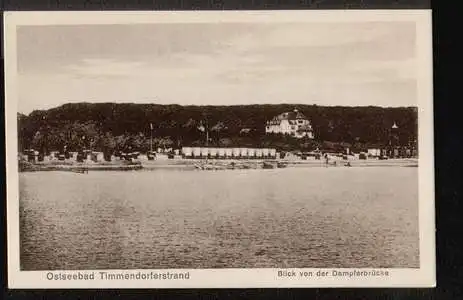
(283, 142)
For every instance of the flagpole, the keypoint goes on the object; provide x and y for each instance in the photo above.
(207, 133)
(151, 137)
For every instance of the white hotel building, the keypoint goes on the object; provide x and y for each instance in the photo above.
(292, 123)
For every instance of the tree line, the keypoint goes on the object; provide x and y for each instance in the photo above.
(111, 127)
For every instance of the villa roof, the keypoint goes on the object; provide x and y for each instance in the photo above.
(293, 115)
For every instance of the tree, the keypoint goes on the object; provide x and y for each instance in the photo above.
(39, 142)
(217, 128)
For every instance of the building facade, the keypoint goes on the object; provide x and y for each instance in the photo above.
(292, 123)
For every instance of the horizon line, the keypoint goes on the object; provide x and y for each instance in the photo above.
(214, 105)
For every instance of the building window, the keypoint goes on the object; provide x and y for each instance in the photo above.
(300, 121)
(293, 127)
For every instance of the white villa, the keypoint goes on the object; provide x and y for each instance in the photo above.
(293, 123)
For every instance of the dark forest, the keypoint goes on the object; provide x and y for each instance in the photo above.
(112, 127)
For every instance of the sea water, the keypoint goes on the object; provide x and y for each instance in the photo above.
(276, 218)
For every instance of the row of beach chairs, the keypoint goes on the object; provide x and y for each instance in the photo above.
(204, 152)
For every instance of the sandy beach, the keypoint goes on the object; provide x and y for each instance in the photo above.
(179, 163)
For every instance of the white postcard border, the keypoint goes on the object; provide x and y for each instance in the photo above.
(230, 278)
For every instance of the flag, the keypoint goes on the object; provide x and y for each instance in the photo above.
(151, 126)
(201, 128)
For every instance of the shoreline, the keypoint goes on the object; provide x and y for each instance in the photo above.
(191, 164)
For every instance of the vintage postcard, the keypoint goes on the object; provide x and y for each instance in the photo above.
(232, 149)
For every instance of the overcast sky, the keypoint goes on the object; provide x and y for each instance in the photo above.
(218, 64)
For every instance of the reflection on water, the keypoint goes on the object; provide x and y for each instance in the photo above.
(314, 217)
